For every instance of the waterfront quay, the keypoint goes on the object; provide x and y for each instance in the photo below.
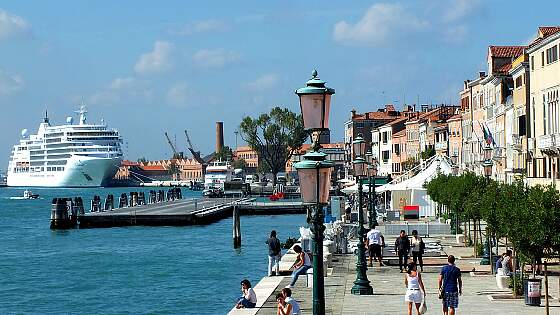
(183, 212)
(480, 292)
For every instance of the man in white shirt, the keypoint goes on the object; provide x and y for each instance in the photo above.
(288, 298)
(375, 242)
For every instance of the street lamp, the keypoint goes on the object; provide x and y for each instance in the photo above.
(372, 174)
(314, 174)
(361, 284)
(487, 165)
(358, 146)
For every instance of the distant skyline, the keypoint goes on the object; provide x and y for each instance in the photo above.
(149, 67)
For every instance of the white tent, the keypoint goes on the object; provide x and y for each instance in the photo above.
(411, 191)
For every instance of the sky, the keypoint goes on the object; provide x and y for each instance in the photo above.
(149, 67)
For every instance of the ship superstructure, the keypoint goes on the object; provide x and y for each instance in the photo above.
(69, 155)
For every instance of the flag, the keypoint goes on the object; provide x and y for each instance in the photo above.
(488, 135)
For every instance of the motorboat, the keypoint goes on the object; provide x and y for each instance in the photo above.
(27, 194)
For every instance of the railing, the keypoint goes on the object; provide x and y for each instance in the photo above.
(516, 143)
(441, 146)
(546, 142)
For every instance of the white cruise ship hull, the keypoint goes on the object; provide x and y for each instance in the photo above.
(79, 171)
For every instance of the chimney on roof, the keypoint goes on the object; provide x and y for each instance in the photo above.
(219, 136)
(481, 74)
(353, 111)
(367, 115)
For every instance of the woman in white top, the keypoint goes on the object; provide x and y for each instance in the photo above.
(415, 292)
(417, 248)
(249, 298)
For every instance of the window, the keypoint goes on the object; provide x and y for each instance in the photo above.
(518, 82)
(521, 125)
(359, 125)
(384, 136)
(542, 59)
(532, 62)
(397, 149)
(385, 156)
(551, 54)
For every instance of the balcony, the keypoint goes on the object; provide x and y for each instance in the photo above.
(441, 146)
(499, 153)
(549, 144)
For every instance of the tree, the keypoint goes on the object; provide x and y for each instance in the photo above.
(428, 153)
(274, 136)
(225, 154)
(142, 160)
(173, 170)
(239, 164)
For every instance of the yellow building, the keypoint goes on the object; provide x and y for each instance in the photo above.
(544, 79)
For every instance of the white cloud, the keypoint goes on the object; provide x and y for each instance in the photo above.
(199, 27)
(122, 83)
(178, 95)
(456, 33)
(12, 25)
(379, 23)
(10, 83)
(459, 9)
(215, 58)
(264, 82)
(156, 61)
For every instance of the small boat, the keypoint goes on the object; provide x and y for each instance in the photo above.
(27, 194)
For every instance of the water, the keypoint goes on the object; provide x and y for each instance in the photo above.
(133, 270)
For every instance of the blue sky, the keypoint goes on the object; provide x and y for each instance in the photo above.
(152, 66)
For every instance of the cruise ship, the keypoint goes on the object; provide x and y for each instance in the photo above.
(217, 174)
(69, 155)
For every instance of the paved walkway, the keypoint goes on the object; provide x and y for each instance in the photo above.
(389, 289)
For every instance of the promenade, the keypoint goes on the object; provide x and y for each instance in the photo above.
(389, 289)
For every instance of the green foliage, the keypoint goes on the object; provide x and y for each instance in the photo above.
(518, 289)
(428, 153)
(410, 163)
(274, 136)
(528, 216)
(479, 249)
(239, 164)
(225, 154)
(142, 160)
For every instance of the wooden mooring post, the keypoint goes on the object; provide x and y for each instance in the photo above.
(236, 227)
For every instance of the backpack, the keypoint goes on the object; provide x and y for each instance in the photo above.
(422, 246)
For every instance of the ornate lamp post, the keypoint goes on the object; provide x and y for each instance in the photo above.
(315, 174)
(371, 204)
(487, 164)
(361, 284)
(372, 174)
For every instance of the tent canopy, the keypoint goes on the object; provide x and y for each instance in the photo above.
(438, 165)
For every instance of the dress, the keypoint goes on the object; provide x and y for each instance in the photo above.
(413, 292)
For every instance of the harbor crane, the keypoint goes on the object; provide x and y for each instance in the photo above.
(176, 155)
(195, 154)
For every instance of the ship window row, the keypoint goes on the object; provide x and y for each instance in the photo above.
(55, 169)
(86, 138)
(77, 144)
(54, 134)
(53, 140)
(21, 169)
(110, 133)
(21, 148)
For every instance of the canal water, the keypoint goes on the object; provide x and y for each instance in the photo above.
(131, 270)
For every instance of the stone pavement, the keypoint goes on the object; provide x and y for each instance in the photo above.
(389, 290)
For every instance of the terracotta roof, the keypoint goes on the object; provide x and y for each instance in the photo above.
(504, 69)
(400, 133)
(129, 163)
(455, 117)
(506, 51)
(153, 168)
(546, 31)
(397, 121)
(390, 108)
(374, 116)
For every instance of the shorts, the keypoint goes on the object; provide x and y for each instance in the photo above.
(374, 250)
(414, 296)
(451, 300)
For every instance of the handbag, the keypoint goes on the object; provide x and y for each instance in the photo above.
(423, 308)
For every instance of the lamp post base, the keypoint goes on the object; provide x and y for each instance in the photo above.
(362, 287)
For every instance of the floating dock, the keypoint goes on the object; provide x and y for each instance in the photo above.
(177, 212)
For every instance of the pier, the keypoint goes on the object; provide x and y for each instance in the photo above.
(160, 211)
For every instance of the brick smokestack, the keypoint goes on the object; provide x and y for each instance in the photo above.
(219, 136)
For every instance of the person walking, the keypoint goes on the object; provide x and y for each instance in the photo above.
(303, 263)
(417, 245)
(415, 291)
(290, 300)
(274, 251)
(507, 266)
(402, 247)
(451, 285)
(375, 243)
